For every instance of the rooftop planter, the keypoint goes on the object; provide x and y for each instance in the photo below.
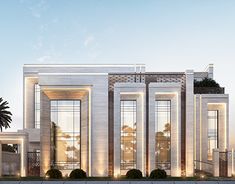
(208, 90)
(207, 86)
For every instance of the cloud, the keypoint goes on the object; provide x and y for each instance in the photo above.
(88, 41)
(44, 59)
(39, 43)
(36, 7)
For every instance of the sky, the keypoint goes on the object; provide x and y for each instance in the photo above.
(166, 35)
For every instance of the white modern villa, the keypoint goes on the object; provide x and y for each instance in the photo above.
(108, 119)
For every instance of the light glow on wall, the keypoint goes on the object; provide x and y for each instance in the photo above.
(22, 159)
(46, 165)
(142, 106)
(89, 130)
(177, 131)
(200, 132)
(225, 126)
(22, 151)
(233, 162)
(25, 98)
(195, 128)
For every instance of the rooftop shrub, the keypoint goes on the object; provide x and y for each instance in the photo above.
(206, 82)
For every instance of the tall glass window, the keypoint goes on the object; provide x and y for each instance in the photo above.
(37, 106)
(212, 132)
(128, 136)
(65, 117)
(163, 134)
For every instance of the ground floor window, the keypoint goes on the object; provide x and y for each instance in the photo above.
(212, 132)
(128, 135)
(163, 134)
(65, 118)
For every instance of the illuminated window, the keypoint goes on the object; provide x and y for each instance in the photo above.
(65, 118)
(128, 136)
(212, 132)
(37, 106)
(163, 134)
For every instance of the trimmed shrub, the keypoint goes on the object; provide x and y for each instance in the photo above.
(77, 173)
(54, 174)
(134, 174)
(158, 174)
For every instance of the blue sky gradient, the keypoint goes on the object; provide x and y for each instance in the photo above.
(166, 35)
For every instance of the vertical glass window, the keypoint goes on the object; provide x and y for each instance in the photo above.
(128, 136)
(37, 106)
(65, 117)
(212, 132)
(163, 134)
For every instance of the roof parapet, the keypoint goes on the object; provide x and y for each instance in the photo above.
(210, 70)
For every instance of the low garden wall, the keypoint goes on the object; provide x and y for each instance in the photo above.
(10, 163)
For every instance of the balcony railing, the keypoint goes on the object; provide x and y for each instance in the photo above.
(208, 90)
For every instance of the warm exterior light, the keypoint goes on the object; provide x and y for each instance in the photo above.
(233, 173)
(47, 176)
(66, 175)
(202, 176)
(116, 175)
(18, 175)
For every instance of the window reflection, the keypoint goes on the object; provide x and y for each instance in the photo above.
(163, 134)
(128, 136)
(65, 118)
(212, 132)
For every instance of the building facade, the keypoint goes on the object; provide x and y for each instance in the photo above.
(108, 119)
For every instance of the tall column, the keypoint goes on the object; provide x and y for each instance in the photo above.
(85, 133)
(117, 129)
(45, 134)
(23, 152)
(189, 129)
(29, 102)
(216, 162)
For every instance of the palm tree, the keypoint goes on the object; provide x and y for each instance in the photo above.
(5, 115)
